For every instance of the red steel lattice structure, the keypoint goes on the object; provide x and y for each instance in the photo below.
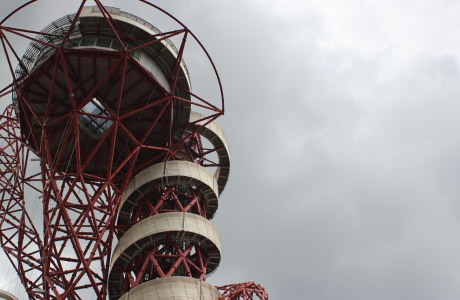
(102, 103)
(246, 291)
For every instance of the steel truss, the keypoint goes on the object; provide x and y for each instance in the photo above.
(166, 260)
(243, 291)
(73, 114)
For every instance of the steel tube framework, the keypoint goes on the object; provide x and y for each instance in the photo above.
(102, 136)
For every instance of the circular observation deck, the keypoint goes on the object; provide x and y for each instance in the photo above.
(95, 77)
(173, 288)
(164, 174)
(153, 231)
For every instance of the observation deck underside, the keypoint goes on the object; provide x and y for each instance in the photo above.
(93, 89)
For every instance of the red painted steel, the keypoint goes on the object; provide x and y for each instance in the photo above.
(18, 236)
(79, 180)
(246, 291)
(165, 260)
(172, 198)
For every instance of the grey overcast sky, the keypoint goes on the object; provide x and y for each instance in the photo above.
(343, 118)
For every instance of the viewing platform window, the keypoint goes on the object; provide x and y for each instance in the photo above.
(104, 42)
(92, 124)
(89, 42)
